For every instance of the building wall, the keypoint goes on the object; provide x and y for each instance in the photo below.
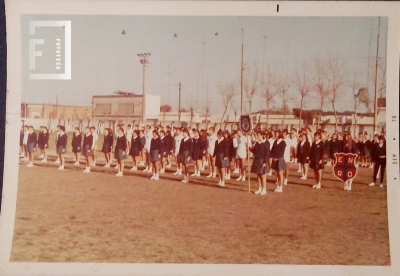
(46, 111)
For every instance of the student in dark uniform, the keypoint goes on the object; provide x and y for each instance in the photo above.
(62, 146)
(163, 150)
(31, 145)
(367, 150)
(198, 152)
(349, 146)
(21, 142)
(87, 148)
(169, 146)
(134, 151)
(40, 141)
(120, 150)
(316, 156)
(303, 154)
(155, 155)
(221, 155)
(260, 166)
(107, 146)
(77, 145)
(380, 160)
(336, 146)
(204, 138)
(278, 160)
(360, 150)
(185, 153)
(232, 153)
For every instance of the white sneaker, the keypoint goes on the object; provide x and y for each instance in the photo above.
(263, 192)
(258, 191)
(280, 190)
(198, 174)
(87, 170)
(210, 175)
(43, 160)
(175, 173)
(183, 180)
(168, 166)
(236, 171)
(106, 165)
(21, 155)
(219, 183)
(214, 175)
(61, 168)
(57, 161)
(270, 173)
(345, 187)
(381, 185)
(302, 177)
(156, 177)
(371, 184)
(371, 166)
(133, 169)
(41, 156)
(119, 174)
(76, 163)
(222, 184)
(228, 176)
(276, 190)
(299, 171)
(348, 188)
(146, 169)
(151, 178)
(162, 171)
(116, 167)
(315, 186)
(194, 174)
(180, 173)
(318, 186)
(206, 163)
(285, 182)
(29, 165)
(243, 178)
(239, 178)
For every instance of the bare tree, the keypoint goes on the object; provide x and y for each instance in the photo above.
(283, 86)
(320, 85)
(382, 83)
(191, 109)
(269, 91)
(235, 109)
(303, 85)
(207, 107)
(251, 89)
(355, 86)
(227, 92)
(336, 76)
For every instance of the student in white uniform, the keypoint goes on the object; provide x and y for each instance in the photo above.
(147, 144)
(271, 140)
(286, 155)
(95, 139)
(25, 143)
(177, 144)
(210, 151)
(241, 154)
(57, 135)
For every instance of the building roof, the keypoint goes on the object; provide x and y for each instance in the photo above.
(118, 96)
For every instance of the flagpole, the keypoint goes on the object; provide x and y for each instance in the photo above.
(248, 163)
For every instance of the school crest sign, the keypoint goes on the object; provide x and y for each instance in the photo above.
(344, 167)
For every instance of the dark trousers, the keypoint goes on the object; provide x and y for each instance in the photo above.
(382, 165)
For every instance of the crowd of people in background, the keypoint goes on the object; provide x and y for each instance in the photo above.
(224, 153)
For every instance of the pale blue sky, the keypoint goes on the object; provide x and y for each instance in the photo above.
(104, 60)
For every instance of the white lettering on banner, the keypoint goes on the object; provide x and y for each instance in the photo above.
(340, 159)
(350, 160)
(349, 174)
(339, 173)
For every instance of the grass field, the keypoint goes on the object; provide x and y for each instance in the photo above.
(69, 216)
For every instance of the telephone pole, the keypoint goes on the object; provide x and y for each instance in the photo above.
(179, 107)
(376, 75)
(144, 60)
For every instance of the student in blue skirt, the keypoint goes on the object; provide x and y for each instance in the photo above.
(221, 156)
(44, 143)
(120, 150)
(154, 155)
(185, 153)
(278, 161)
(260, 166)
(77, 145)
(62, 146)
(87, 148)
(303, 155)
(316, 156)
(31, 145)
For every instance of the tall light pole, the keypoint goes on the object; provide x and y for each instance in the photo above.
(376, 75)
(144, 60)
(241, 79)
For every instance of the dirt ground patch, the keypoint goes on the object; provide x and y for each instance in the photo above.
(69, 216)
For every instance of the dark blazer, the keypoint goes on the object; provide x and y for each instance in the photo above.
(261, 151)
(303, 150)
(121, 143)
(169, 143)
(186, 146)
(380, 151)
(108, 141)
(198, 145)
(76, 141)
(32, 138)
(336, 146)
(278, 150)
(88, 140)
(221, 148)
(155, 145)
(62, 140)
(317, 152)
(346, 149)
(163, 145)
(135, 143)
